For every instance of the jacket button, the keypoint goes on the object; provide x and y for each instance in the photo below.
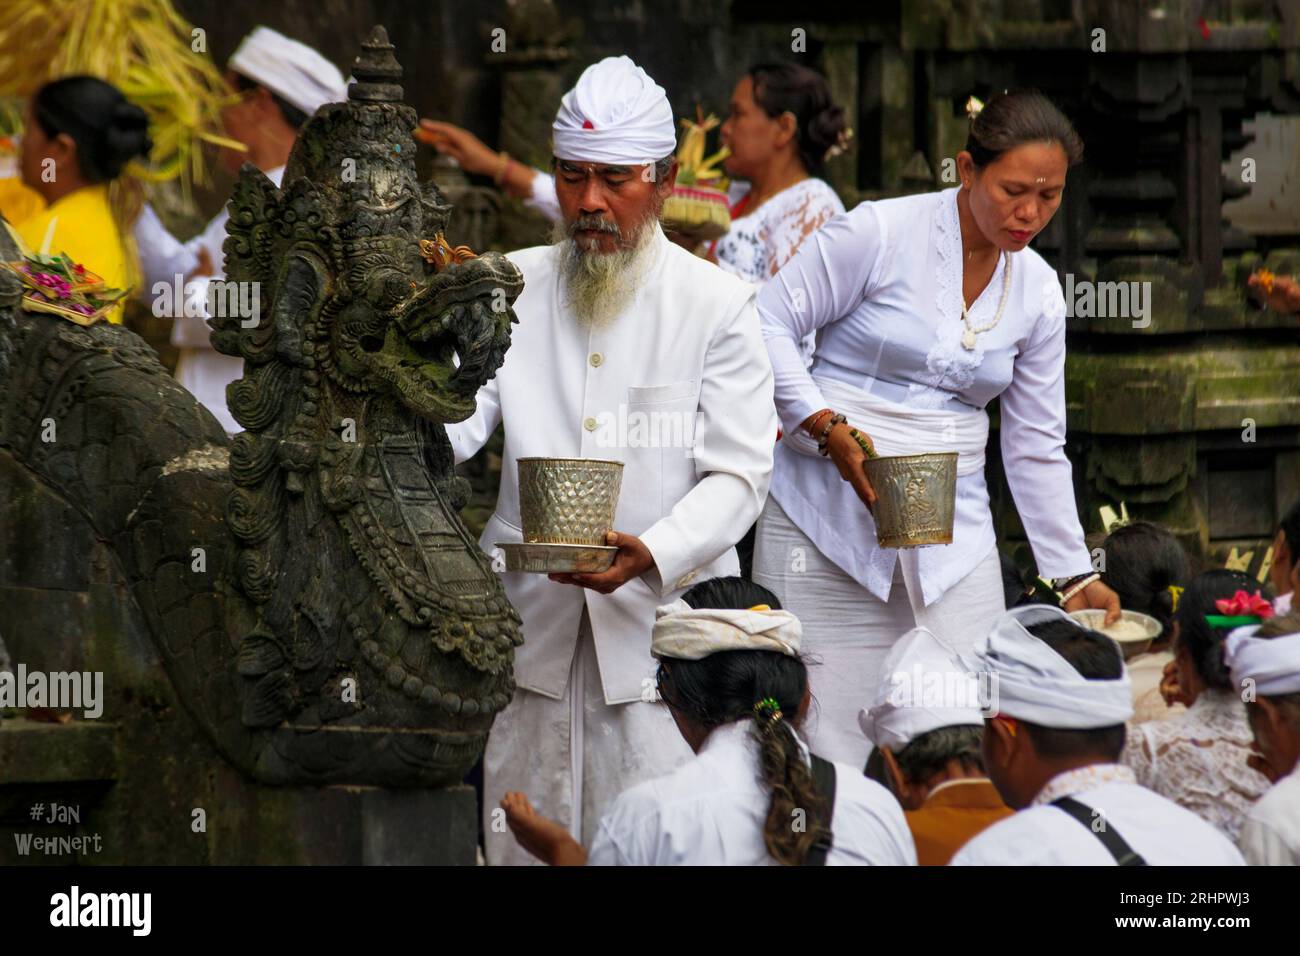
(596, 359)
(589, 424)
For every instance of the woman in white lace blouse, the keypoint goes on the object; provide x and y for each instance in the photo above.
(781, 129)
(1198, 759)
(926, 308)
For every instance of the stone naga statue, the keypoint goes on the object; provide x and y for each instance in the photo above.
(318, 606)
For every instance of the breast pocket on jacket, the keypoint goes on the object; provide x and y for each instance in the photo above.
(655, 394)
(658, 433)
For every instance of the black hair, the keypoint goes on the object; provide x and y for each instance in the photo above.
(1143, 560)
(1012, 119)
(929, 753)
(792, 87)
(1096, 657)
(1015, 592)
(1289, 525)
(1013, 584)
(292, 115)
(1202, 640)
(726, 687)
(109, 129)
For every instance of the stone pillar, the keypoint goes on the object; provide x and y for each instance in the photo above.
(538, 47)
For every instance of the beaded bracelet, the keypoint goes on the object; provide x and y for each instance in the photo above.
(1064, 584)
(865, 445)
(1088, 579)
(816, 420)
(823, 440)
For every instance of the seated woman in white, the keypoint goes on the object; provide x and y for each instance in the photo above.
(1198, 758)
(1148, 568)
(731, 675)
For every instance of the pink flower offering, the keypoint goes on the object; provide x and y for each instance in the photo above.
(57, 283)
(1243, 604)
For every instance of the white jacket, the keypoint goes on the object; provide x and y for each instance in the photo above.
(686, 358)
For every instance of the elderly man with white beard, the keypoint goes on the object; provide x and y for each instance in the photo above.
(617, 327)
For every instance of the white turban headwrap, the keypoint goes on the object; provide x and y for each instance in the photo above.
(924, 688)
(615, 114)
(1036, 684)
(292, 70)
(688, 633)
(1273, 663)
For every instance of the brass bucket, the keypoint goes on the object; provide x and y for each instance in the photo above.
(916, 498)
(568, 500)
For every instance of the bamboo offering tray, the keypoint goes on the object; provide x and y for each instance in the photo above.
(74, 292)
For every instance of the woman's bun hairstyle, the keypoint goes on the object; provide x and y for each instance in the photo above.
(1014, 118)
(820, 123)
(109, 129)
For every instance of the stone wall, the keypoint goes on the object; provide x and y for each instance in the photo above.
(1164, 101)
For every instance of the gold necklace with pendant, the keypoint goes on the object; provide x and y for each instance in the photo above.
(968, 340)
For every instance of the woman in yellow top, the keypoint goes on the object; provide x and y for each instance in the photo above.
(80, 133)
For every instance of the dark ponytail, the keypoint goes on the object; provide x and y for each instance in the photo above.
(768, 688)
(805, 94)
(1012, 119)
(1203, 641)
(108, 129)
(1143, 561)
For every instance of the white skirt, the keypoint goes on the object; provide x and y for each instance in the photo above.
(847, 631)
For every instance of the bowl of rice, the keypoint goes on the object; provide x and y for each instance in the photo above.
(1133, 632)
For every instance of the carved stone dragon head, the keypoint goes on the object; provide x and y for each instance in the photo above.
(376, 331)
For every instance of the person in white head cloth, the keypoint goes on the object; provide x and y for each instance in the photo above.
(630, 348)
(1264, 660)
(925, 723)
(280, 83)
(733, 680)
(1052, 751)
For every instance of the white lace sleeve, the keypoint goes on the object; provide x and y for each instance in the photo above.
(794, 219)
(1138, 755)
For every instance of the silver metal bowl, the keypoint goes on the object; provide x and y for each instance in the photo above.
(1127, 635)
(568, 500)
(557, 558)
(916, 498)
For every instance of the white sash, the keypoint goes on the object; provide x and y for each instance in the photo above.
(900, 429)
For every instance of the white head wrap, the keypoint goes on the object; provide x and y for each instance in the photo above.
(924, 688)
(1036, 684)
(292, 70)
(615, 114)
(688, 634)
(1273, 663)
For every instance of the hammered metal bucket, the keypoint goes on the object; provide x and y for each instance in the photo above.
(916, 497)
(568, 500)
